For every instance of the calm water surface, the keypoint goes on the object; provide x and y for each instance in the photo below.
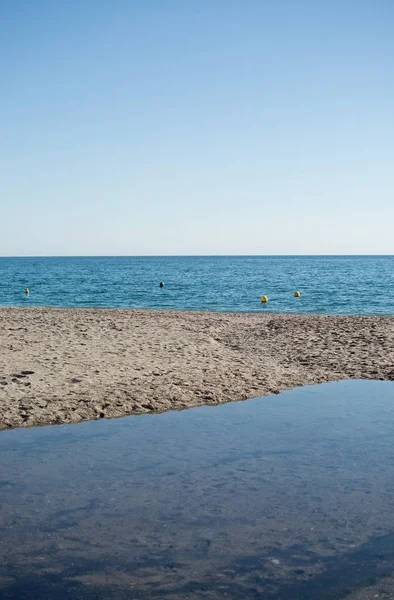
(331, 285)
(286, 497)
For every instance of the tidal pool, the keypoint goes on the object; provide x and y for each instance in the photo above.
(285, 497)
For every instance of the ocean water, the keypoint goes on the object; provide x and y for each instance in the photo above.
(328, 284)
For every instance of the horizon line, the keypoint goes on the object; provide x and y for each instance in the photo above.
(36, 256)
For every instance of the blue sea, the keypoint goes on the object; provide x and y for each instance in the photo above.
(328, 284)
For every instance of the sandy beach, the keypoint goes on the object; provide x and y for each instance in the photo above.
(68, 365)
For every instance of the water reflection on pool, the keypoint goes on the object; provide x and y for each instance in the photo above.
(283, 497)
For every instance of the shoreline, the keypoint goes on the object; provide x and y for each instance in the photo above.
(264, 309)
(66, 365)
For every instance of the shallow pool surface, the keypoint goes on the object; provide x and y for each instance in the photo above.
(286, 497)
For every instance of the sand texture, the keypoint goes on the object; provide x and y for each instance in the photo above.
(67, 365)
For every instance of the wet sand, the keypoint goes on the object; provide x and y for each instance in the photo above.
(68, 365)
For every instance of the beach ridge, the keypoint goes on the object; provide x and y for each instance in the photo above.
(65, 365)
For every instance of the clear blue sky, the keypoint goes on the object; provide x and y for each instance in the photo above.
(196, 127)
